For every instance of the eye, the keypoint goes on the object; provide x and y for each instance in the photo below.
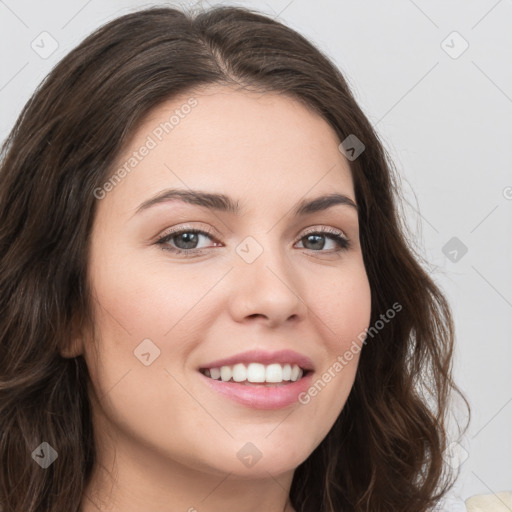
(316, 239)
(186, 241)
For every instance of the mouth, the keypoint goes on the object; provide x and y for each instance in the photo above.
(259, 379)
(257, 374)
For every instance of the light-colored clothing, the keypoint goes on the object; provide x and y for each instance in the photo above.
(499, 502)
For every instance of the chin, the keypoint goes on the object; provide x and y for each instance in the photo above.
(264, 458)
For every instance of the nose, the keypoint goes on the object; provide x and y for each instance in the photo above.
(266, 289)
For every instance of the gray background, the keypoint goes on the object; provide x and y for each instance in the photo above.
(444, 114)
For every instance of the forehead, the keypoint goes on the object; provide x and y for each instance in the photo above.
(264, 145)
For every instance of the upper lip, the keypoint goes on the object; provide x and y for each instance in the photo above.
(263, 357)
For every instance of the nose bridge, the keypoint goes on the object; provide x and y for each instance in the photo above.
(258, 251)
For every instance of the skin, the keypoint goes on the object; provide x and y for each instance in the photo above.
(175, 440)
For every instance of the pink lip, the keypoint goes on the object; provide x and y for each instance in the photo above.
(260, 396)
(260, 356)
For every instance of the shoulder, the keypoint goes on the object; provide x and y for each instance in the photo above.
(499, 502)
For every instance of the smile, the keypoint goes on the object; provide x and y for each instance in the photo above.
(274, 373)
(259, 379)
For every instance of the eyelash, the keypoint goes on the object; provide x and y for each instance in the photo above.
(336, 235)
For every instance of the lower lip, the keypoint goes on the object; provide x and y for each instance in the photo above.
(261, 396)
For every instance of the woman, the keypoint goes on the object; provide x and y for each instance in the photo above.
(208, 298)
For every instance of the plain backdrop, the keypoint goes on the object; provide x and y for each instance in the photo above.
(435, 79)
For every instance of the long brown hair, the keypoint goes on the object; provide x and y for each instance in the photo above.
(384, 452)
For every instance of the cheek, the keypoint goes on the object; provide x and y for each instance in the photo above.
(343, 304)
(155, 300)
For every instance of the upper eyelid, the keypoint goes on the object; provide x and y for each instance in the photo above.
(324, 229)
(205, 231)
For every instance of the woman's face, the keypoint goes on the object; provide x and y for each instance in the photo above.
(258, 291)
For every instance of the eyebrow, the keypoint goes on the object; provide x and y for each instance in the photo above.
(223, 203)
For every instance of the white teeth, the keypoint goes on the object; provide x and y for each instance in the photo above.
(287, 372)
(225, 373)
(256, 372)
(274, 373)
(239, 373)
